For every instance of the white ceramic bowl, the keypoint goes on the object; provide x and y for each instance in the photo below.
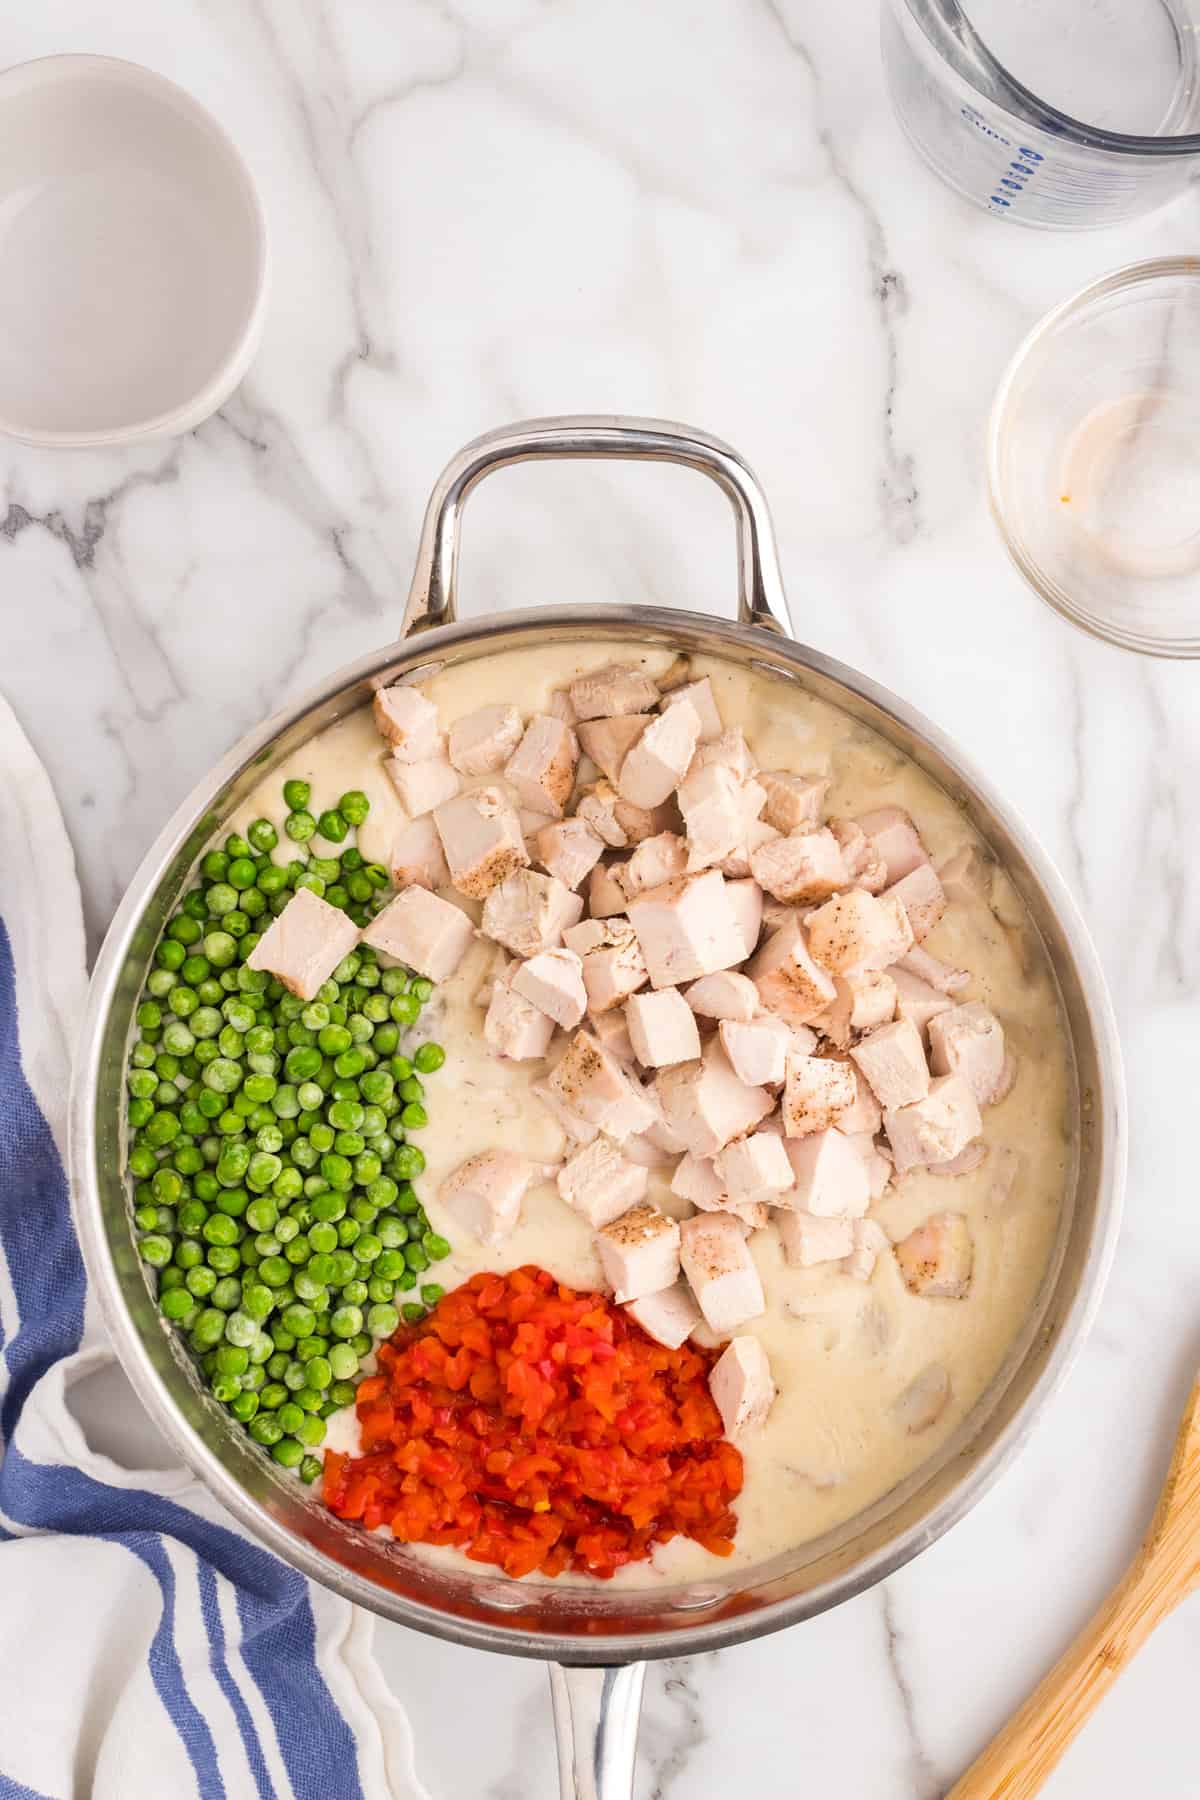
(133, 255)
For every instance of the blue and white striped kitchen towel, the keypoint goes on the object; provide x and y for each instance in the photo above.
(147, 1647)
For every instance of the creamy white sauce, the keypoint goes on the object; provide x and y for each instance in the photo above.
(842, 1352)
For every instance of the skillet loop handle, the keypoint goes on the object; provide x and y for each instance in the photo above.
(596, 1714)
(761, 600)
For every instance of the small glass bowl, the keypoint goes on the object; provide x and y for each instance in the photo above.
(1093, 458)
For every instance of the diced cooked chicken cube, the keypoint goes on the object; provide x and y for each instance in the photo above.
(870, 1243)
(725, 995)
(866, 1113)
(864, 865)
(894, 838)
(700, 694)
(731, 751)
(559, 707)
(659, 759)
(818, 1094)
(695, 1178)
(485, 1193)
(591, 934)
(805, 867)
(568, 849)
(611, 691)
(965, 874)
(662, 1028)
(758, 1049)
(793, 802)
(606, 896)
(746, 899)
(417, 857)
(754, 1167)
(598, 808)
(591, 1082)
(741, 1385)
(892, 1057)
(937, 1259)
(614, 967)
(758, 832)
(482, 840)
(706, 1104)
(571, 1122)
(305, 943)
(931, 969)
(916, 1000)
(600, 1184)
(541, 769)
(656, 860)
(687, 928)
(720, 1271)
(922, 1403)
(528, 912)
(424, 932)
(669, 1317)
(611, 1032)
(935, 1129)
(553, 982)
(789, 982)
(423, 785)
(710, 800)
(513, 1026)
(831, 1179)
(808, 1239)
(609, 741)
(639, 1253)
(855, 932)
(640, 822)
(920, 893)
(482, 741)
(969, 1041)
(409, 723)
(862, 1002)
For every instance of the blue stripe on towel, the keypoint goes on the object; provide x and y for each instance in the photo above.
(211, 1610)
(279, 1649)
(35, 1221)
(279, 1642)
(16, 1790)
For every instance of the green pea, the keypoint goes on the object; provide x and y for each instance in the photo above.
(413, 1314)
(262, 835)
(299, 825)
(346, 1321)
(289, 1452)
(428, 1058)
(265, 1429)
(176, 1304)
(311, 1467)
(383, 1320)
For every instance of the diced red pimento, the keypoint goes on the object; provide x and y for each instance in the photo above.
(538, 1428)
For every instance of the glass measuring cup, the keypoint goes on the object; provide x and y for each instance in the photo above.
(1117, 134)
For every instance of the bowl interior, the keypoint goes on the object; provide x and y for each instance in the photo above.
(132, 251)
(589, 1623)
(1094, 467)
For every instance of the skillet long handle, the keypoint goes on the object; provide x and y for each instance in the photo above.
(761, 599)
(596, 1714)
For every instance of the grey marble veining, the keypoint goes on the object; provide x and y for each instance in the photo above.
(484, 209)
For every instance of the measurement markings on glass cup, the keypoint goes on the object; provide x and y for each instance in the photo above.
(1020, 169)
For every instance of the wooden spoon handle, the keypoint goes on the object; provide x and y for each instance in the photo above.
(1019, 1759)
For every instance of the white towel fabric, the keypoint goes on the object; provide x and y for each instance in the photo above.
(147, 1646)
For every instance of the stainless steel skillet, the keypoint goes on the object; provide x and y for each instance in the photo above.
(596, 1640)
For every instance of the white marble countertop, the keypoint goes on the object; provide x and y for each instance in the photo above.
(486, 209)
